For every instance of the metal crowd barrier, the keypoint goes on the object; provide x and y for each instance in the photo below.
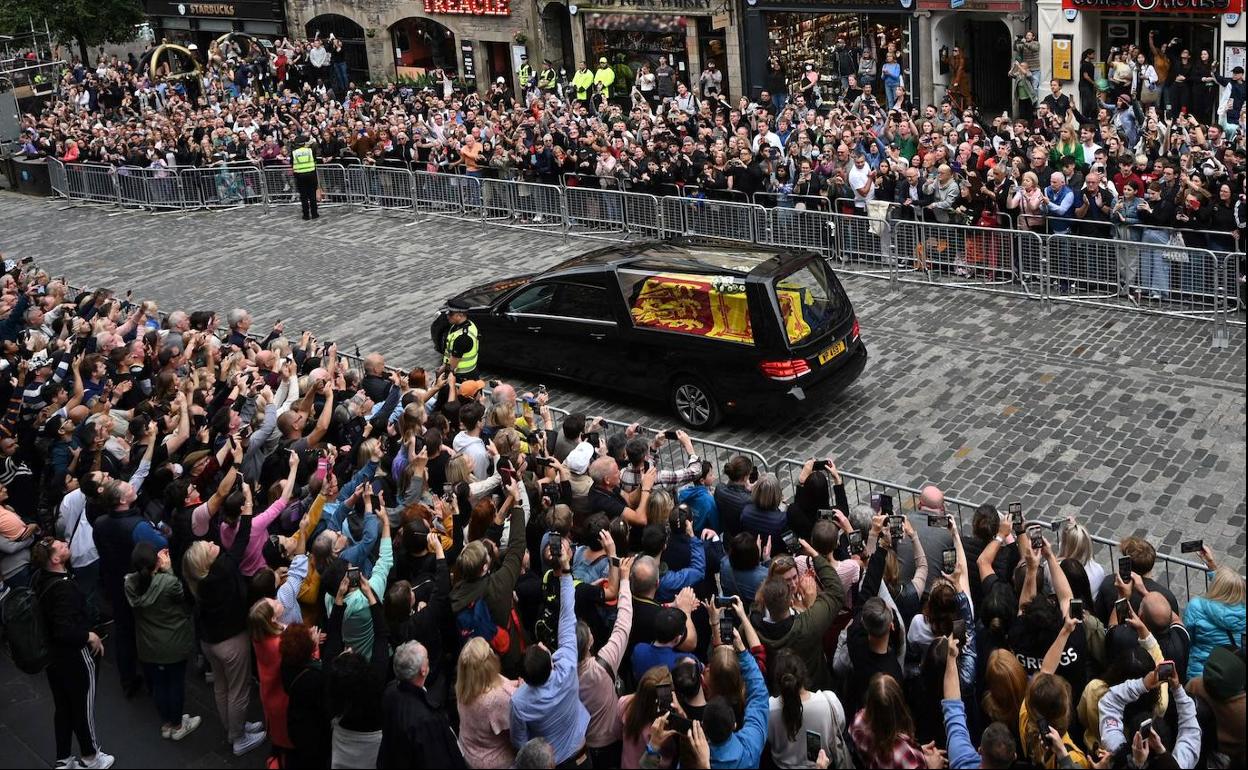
(1144, 269)
(1179, 575)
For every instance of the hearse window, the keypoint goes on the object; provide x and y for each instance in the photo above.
(536, 299)
(712, 306)
(811, 301)
(576, 300)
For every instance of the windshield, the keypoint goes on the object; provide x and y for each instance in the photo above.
(811, 301)
(484, 295)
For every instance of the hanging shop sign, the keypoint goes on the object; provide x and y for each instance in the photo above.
(833, 6)
(469, 7)
(241, 9)
(1063, 49)
(992, 6)
(1208, 7)
(470, 64)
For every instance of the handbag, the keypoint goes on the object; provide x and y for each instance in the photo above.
(1177, 242)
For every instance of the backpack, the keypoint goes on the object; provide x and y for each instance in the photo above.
(546, 629)
(25, 630)
(475, 620)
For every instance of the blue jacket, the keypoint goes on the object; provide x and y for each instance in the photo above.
(672, 581)
(1061, 204)
(744, 748)
(1209, 622)
(961, 751)
(701, 502)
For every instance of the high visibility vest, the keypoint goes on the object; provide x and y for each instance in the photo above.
(526, 75)
(302, 161)
(605, 76)
(468, 361)
(547, 79)
(583, 80)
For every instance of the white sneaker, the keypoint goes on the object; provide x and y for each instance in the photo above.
(100, 760)
(69, 763)
(253, 727)
(248, 742)
(166, 731)
(188, 726)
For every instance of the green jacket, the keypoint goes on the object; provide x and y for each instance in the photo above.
(583, 80)
(162, 619)
(804, 633)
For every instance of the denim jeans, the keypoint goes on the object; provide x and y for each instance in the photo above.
(168, 683)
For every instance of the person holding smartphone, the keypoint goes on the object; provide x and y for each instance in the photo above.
(1185, 751)
(801, 723)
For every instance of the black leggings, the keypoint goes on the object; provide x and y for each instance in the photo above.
(72, 679)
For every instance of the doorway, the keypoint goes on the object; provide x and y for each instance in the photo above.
(988, 44)
(557, 36)
(498, 56)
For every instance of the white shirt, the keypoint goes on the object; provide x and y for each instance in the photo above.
(859, 178)
(75, 528)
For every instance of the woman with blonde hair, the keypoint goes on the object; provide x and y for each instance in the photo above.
(801, 592)
(1217, 616)
(216, 581)
(265, 626)
(1030, 203)
(1076, 543)
(659, 507)
(484, 697)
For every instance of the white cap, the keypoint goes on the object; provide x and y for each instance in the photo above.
(501, 80)
(579, 458)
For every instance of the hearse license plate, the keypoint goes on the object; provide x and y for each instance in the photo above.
(832, 352)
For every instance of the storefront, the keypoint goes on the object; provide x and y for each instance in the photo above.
(1213, 25)
(474, 41)
(188, 23)
(796, 32)
(633, 33)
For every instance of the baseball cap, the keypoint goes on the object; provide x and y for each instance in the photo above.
(501, 80)
(579, 458)
(470, 388)
(602, 60)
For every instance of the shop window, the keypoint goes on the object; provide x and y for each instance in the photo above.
(797, 38)
(629, 40)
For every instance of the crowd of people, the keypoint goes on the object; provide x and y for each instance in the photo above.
(422, 570)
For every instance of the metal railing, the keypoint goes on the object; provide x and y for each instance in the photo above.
(1179, 575)
(1152, 273)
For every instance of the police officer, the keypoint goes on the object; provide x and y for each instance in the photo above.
(526, 73)
(462, 345)
(548, 79)
(303, 163)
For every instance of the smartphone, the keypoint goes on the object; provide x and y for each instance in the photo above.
(1146, 727)
(540, 462)
(724, 601)
(875, 501)
(1019, 525)
(1042, 726)
(678, 723)
(541, 389)
(670, 435)
(592, 438)
(726, 625)
(819, 465)
(1016, 510)
(663, 699)
(948, 560)
(754, 475)
(896, 527)
(556, 546)
(937, 520)
(959, 633)
(1037, 539)
(886, 504)
(827, 514)
(244, 432)
(1165, 670)
(855, 542)
(1191, 546)
(814, 744)
(519, 408)
(1122, 608)
(1076, 609)
(1124, 568)
(615, 561)
(353, 577)
(790, 542)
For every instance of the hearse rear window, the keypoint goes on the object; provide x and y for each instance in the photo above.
(712, 306)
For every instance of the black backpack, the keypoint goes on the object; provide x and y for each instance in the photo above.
(25, 631)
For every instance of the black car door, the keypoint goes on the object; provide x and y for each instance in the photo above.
(582, 333)
(519, 332)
